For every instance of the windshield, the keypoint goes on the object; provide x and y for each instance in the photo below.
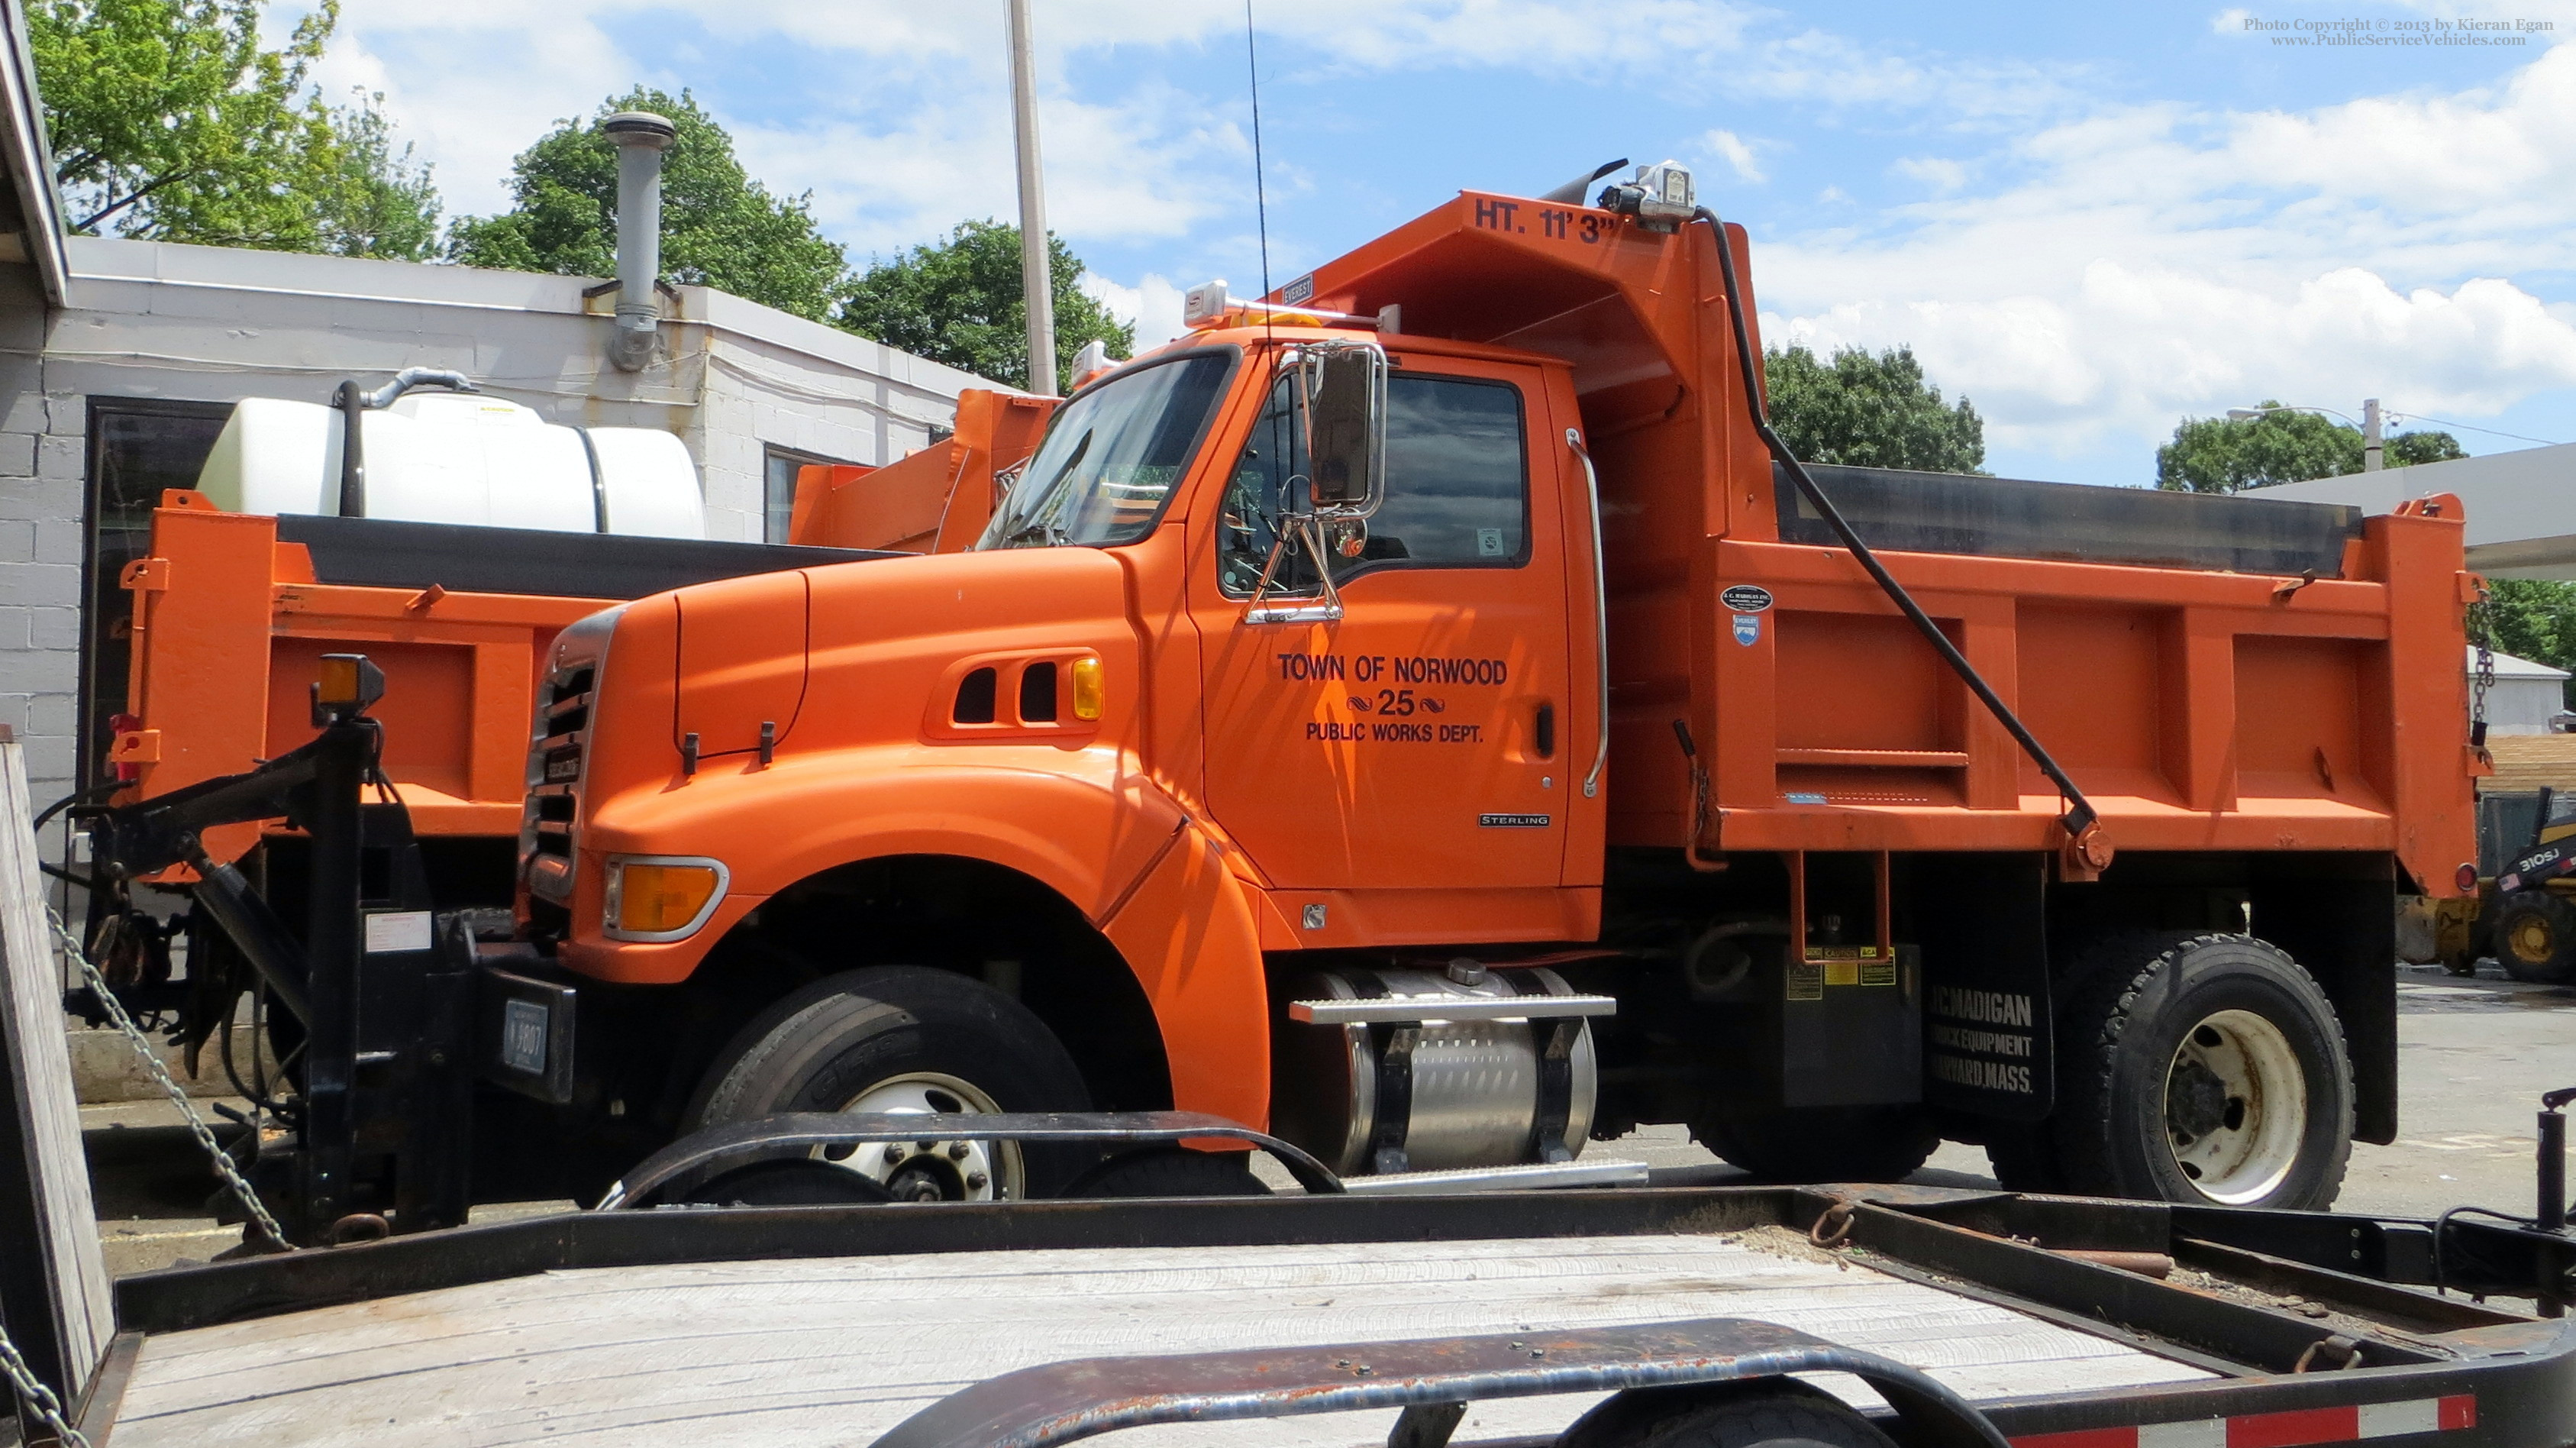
(1111, 458)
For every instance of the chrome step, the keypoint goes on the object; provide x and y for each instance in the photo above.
(1412, 1010)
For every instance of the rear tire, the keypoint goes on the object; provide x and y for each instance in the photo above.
(1776, 1413)
(2023, 1157)
(2202, 1069)
(1822, 1143)
(2535, 937)
(903, 1038)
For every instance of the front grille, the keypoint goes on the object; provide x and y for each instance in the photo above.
(558, 753)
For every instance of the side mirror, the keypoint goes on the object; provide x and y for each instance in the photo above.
(1343, 387)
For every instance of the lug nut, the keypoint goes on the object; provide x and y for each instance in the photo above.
(975, 1181)
(957, 1151)
(894, 1154)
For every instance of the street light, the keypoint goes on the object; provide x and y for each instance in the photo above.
(2368, 423)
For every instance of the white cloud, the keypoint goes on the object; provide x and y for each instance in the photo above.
(1153, 305)
(1149, 164)
(1938, 172)
(2157, 261)
(1736, 152)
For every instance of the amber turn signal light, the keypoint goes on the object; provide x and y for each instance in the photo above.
(656, 899)
(348, 681)
(1088, 687)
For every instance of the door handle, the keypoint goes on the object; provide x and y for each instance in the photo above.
(1546, 731)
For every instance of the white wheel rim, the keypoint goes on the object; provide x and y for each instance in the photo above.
(926, 1171)
(2236, 1107)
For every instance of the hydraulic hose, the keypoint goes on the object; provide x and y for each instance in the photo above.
(2081, 821)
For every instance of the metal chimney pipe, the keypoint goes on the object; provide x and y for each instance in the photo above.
(640, 137)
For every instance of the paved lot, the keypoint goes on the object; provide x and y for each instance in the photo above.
(2474, 1057)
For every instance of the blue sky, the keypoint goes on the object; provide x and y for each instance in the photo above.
(2092, 220)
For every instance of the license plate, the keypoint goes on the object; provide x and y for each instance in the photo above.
(523, 1036)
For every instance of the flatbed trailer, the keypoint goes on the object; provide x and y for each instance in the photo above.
(1987, 1316)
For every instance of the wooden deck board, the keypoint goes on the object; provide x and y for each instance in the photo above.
(837, 1350)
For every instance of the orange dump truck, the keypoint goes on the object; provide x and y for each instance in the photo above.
(1418, 713)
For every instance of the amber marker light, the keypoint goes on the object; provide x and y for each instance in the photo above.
(1087, 688)
(347, 681)
(654, 899)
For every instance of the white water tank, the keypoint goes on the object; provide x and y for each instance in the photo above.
(452, 457)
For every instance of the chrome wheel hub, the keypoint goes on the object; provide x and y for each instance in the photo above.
(928, 1170)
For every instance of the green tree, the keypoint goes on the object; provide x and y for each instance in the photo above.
(171, 121)
(2226, 455)
(2407, 449)
(720, 228)
(371, 199)
(1869, 411)
(960, 301)
(2535, 619)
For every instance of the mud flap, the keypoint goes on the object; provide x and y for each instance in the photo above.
(1982, 922)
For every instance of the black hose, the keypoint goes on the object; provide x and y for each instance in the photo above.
(73, 798)
(2080, 814)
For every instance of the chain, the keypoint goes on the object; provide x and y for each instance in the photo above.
(2481, 633)
(143, 1047)
(39, 1397)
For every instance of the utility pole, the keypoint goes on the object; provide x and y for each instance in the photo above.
(2369, 427)
(1036, 282)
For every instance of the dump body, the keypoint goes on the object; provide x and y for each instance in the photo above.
(2201, 705)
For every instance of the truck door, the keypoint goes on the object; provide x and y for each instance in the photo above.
(1422, 740)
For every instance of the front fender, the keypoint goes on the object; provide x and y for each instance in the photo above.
(1070, 818)
(1191, 934)
(1104, 838)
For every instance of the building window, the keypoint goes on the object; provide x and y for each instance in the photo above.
(784, 464)
(137, 448)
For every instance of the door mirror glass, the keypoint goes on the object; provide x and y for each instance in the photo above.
(1343, 389)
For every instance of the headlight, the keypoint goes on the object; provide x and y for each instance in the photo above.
(659, 897)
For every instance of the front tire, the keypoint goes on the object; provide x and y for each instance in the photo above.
(2200, 1069)
(905, 1039)
(2535, 937)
